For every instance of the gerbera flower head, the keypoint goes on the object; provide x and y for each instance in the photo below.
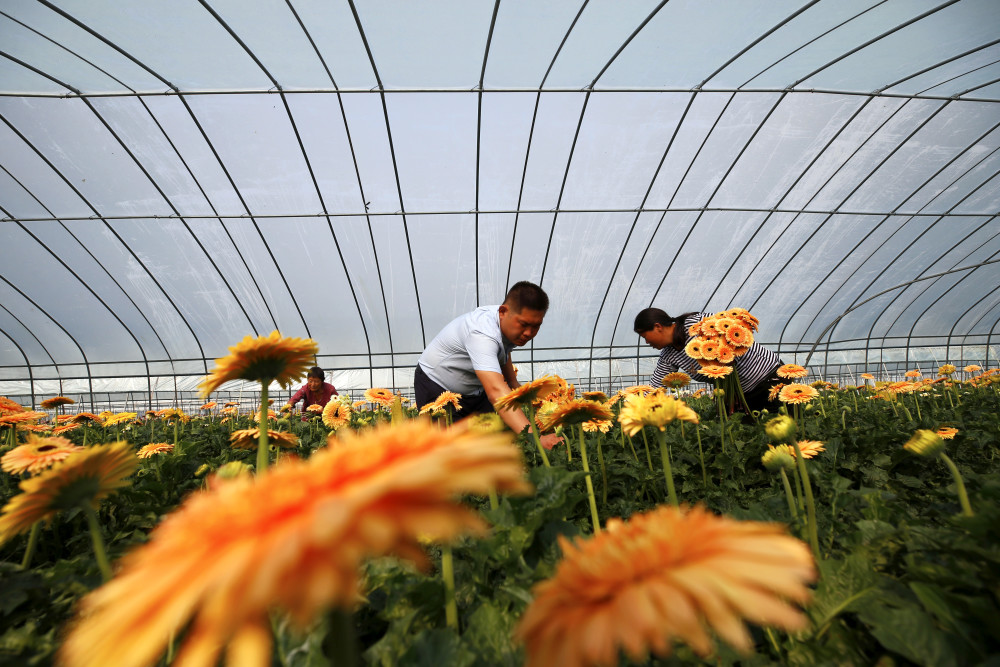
(809, 448)
(576, 411)
(912, 374)
(65, 428)
(598, 396)
(528, 392)
(925, 443)
(639, 389)
(336, 415)
(797, 393)
(867, 376)
(676, 380)
(250, 437)
(654, 409)
(37, 454)
(270, 415)
(313, 523)
(666, 574)
(315, 408)
(708, 329)
(726, 353)
(266, 358)
(7, 405)
(55, 402)
(597, 426)
(209, 405)
(778, 458)
(486, 422)
(972, 368)
(81, 417)
(154, 448)
(709, 349)
(947, 432)
(739, 336)
(715, 370)
(772, 394)
(724, 324)
(22, 417)
(438, 405)
(83, 477)
(380, 396)
(780, 428)
(120, 418)
(357, 405)
(946, 369)
(790, 371)
(693, 348)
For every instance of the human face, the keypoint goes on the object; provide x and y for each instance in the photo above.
(314, 383)
(659, 336)
(520, 327)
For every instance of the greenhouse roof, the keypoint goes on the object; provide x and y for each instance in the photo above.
(177, 175)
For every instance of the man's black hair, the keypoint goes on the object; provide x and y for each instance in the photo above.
(526, 295)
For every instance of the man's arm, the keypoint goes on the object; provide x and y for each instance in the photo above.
(509, 374)
(496, 387)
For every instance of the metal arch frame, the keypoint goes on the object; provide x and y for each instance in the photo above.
(886, 291)
(27, 365)
(951, 332)
(819, 154)
(628, 237)
(479, 135)
(913, 326)
(936, 65)
(173, 89)
(179, 157)
(66, 266)
(813, 41)
(399, 190)
(887, 217)
(978, 320)
(940, 218)
(361, 190)
(108, 226)
(857, 187)
(86, 362)
(959, 76)
(656, 230)
(531, 136)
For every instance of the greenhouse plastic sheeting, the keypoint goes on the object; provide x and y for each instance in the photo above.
(176, 176)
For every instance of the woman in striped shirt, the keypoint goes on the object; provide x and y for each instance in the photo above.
(757, 369)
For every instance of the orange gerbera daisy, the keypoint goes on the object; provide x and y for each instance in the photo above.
(797, 393)
(639, 389)
(270, 415)
(55, 402)
(37, 454)
(65, 428)
(148, 451)
(715, 370)
(708, 329)
(739, 336)
(379, 396)
(528, 392)
(772, 395)
(444, 399)
(230, 404)
(597, 426)
(810, 448)
(266, 358)
(972, 368)
(789, 371)
(336, 414)
(693, 348)
(21, 417)
(598, 396)
(947, 432)
(315, 408)
(676, 380)
(726, 353)
(656, 409)
(710, 349)
(209, 405)
(576, 411)
(724, 324)
(666, 574)
(249, 438)
(867, 376)
(357, 405)
(7, 405)
(912, 374)
(86, 476)
(220, 569)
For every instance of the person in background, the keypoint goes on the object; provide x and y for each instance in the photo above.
(757, 369)
(315, 391)
(471, 356)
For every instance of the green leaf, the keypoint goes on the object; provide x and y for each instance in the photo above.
(437, 647)
(489, 633)
(912, 633)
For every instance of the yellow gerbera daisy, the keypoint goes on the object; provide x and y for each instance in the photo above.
(250, 437)
(266, 358)
(153, 448)
(576, 411)
(379, 396)
(654, 409)
(336, 414)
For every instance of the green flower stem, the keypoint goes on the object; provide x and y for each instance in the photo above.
(963, 496)
(722, 416)
(604, 472)
(799, 493)
(341, 642)
(645, 441)
(789, 496)
(701, 456)
(177, 421)
(262, 452)
(95, 535)
(590, 485)
(810, 502)
(448, 575)
(667, 472)
(529, 411)
(631, 446)
(32, 542)
(494, 502)
(917, 404)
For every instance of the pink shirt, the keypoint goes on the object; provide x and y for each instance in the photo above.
(321, 397)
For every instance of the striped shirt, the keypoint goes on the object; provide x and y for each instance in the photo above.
(753, 367)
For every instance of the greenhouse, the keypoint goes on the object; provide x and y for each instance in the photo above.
(187, 184)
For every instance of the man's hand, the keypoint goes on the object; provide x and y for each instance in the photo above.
(551, 440)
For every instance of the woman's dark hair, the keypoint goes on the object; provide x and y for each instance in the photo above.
(650, 317)
(526, 295)
(316, 372)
